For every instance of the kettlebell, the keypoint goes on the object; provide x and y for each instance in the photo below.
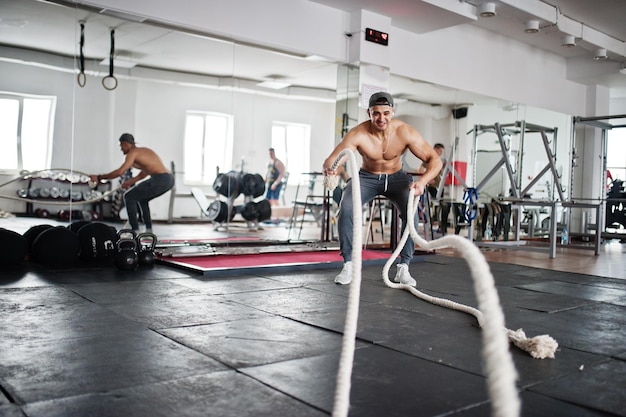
(145, 244)
(126, 257)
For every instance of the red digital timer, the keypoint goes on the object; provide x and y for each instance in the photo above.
(376, 36)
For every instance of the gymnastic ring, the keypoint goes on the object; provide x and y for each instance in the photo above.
(111, 65)
(82, 79)
(105, 82)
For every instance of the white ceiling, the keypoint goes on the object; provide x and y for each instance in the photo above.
(45, 26)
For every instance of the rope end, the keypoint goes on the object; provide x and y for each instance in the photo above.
(539, 347)
(331, 181)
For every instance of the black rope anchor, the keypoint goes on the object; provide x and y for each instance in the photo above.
(110, 82)
(81, 78)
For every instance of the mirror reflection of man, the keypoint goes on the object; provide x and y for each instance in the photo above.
(150, 165)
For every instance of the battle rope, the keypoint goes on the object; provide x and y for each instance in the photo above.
(344, 374)
(501, 373)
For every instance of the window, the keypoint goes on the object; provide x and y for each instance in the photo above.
(26, 126)
(292, 145)
(616, 153)
(208, 146)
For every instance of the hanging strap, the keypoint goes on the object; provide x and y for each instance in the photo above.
(82, 80)
(110, 82)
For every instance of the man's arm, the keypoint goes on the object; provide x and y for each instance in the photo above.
(349, 141)
(128, 183)
(128, 163)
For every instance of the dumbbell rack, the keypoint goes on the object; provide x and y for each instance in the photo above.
(55, 186)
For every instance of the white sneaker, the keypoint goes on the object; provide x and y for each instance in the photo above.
(403, 276)
(345, 276)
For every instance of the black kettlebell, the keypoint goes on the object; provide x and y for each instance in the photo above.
(145, 244)
(126, 257)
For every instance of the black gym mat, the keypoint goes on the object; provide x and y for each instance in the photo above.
(162, 341)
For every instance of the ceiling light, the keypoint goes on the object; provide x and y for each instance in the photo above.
(532, 26)
(119, 63)
(600, 54)
(274, 85)
(487, 10)
(568, 41)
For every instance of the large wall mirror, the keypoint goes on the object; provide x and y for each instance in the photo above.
(241, 100)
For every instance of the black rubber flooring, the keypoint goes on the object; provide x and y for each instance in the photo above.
(95, 341)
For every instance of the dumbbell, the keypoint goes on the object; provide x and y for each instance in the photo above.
(42, 213)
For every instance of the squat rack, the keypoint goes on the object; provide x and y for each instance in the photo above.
(601, 122)
(518, 195)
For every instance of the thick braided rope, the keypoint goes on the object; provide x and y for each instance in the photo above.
(344, 374)
(501, 373)
(499, 365)
(540, 347)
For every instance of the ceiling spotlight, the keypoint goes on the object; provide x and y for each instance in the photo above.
(568, 41)
(532, 26)
(274, 85)
(487, 10)
(600, 54)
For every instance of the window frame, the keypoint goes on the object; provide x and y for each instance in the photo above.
(49, 137)
(207, 177)
(283, 151)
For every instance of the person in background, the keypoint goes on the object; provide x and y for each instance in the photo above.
(434, 184)
(160, 180)
(273, 178)
(381, 141)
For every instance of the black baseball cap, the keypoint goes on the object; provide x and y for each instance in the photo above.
(127, 137)
(381, 99)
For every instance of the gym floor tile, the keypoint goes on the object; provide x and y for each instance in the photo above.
(130, 291)
(596, 328)
(535, 405)
(289, 300)
(36, 371)
(600, 386)
(41, 314)
(586, 292)
(191, 310)
(384, 383)
(256, 341)
(219, 394)
(233, 284)
(538, 301)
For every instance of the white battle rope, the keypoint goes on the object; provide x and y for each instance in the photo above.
(344, 374)
(501, 373)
